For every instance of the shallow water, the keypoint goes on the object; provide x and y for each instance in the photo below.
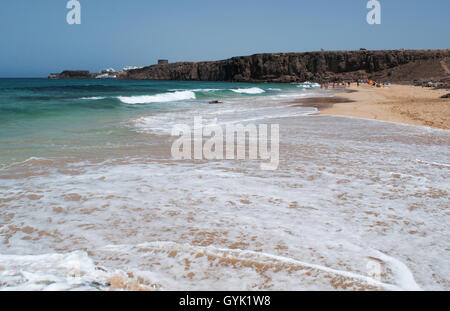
(354, 204)
(63, 118)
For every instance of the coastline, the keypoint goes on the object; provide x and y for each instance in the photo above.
(397, 66)
(404, 104)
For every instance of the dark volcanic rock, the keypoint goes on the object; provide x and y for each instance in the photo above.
(72, 74)
(394, 66)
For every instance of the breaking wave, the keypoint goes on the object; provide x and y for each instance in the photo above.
(158, 98)
(93, 98)
(252, 90)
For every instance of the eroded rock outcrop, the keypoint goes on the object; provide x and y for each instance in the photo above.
(72, 74)
(392, 65)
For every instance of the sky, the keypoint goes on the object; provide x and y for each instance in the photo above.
(36, 40)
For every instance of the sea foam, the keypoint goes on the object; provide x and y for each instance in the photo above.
(158, 98)
(252, 90)
(93, 98)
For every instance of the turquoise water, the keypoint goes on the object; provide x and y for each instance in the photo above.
(43, 118)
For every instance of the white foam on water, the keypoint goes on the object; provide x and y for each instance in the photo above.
(51, 272)
(158, 98)
(163, 123)
(252, 90)
(403, 275)
(245, 258)
(197, 90)
(29, 161)
(308, 85)
(207, 90)
(93, 98)
(232, 111)
(433, 163)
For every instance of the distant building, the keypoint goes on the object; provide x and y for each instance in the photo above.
(163, 61)
(108, 70)
(127, 68)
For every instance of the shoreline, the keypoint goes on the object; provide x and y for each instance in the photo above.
(403, 104)
(136, 218)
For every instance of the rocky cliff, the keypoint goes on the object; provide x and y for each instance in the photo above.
(389, 65)
(72, 74)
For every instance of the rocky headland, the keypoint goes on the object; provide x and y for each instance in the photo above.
(405, 66)
(72, 74)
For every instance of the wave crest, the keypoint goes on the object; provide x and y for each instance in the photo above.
(158, 98)
(252, 90)
(93, 98)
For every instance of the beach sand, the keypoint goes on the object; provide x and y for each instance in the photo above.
(397, 103)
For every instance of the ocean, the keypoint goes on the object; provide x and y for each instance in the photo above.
(42, 118)
(91, 199)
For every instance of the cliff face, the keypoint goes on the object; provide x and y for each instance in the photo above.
(394, 66)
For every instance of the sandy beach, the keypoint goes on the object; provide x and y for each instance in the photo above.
(397, 103)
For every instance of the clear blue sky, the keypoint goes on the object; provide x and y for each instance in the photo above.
(36, 40)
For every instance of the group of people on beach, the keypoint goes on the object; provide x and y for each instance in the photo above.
(354, 83)
(327, 85)
(373, 83)
(436, 85)
(334, 85)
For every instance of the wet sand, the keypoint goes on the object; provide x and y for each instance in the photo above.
(397, 103)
